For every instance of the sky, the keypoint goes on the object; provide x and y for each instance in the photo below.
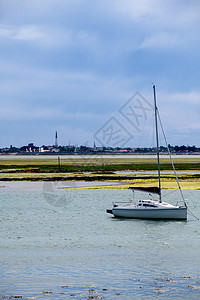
(85, 69)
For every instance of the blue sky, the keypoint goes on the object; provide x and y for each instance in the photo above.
(71, 65)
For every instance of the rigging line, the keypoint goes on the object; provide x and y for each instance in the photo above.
(169, 193)
(153, 197)
(171, 159)
(193, 215)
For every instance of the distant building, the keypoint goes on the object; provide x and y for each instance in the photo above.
(56, 139)
(44, 149)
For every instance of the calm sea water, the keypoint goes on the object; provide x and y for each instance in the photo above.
(60, 244)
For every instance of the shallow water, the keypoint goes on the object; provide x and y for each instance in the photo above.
(61, 244)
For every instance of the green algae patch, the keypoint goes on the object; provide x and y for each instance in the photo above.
(95, 164)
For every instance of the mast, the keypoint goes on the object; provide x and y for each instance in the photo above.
(157, 143)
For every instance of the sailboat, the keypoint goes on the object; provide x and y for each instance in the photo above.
(152, 209)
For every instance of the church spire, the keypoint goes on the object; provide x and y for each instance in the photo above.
(56, 139)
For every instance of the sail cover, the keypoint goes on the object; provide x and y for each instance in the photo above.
(151, 189)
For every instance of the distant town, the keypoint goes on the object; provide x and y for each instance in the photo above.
(31, 149)
(83, 149)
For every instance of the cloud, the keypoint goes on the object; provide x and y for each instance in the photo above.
(74, 63)
(163, 40)
(165, 13)
(180, 116)
(38, 35)
(29, 33)
(192, 98)
(163, 24)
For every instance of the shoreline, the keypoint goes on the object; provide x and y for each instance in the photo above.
(97, 154)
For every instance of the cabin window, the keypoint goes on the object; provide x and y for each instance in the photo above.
(149, 205)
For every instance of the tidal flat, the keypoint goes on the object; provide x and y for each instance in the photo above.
(123, 170)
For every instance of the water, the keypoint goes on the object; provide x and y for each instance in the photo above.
(60, 244)
(66, 157)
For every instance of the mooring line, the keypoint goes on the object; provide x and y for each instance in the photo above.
(193, 215)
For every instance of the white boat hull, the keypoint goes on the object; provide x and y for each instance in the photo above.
(175, 213)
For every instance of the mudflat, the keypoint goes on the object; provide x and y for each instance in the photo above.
(124, 170)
